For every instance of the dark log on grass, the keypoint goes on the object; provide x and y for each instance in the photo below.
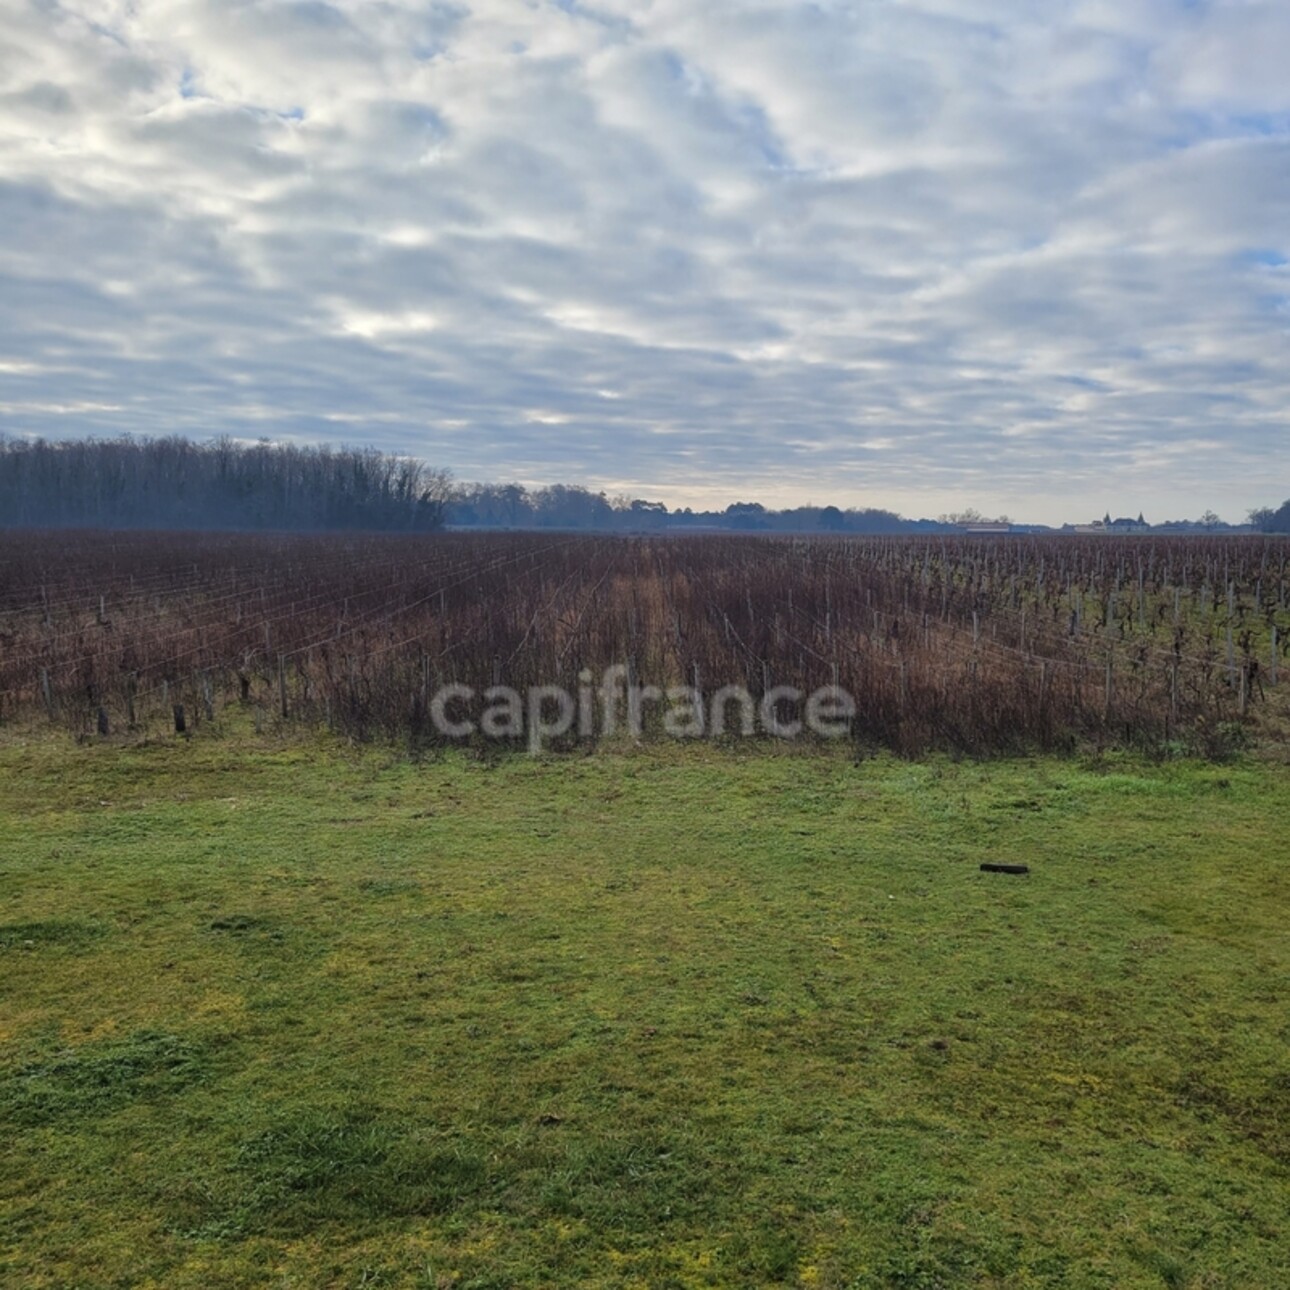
(1005, 868)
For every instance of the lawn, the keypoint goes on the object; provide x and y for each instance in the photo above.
(288, 1014)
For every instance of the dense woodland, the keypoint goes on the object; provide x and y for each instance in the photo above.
(176, 484)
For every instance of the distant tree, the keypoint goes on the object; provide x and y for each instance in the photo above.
(873, 520)
(647, 514)
(746, 515)
(1267, 520)
(570, 507)
(513, 496)
(832, 520)
(972, 516)
(1209, 520)
(434, 495)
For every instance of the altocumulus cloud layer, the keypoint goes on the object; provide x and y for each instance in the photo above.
(1013, 253)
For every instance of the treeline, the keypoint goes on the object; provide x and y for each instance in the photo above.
(173, 483)
(1267, 520)
(562, 506)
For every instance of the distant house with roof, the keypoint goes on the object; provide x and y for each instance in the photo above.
(1115, 528)
(1125, 525)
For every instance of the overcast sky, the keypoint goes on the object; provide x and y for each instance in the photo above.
(1025, 256)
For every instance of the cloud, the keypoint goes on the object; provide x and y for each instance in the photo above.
(922, 254)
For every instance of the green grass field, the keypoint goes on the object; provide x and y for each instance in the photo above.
(289, 1015)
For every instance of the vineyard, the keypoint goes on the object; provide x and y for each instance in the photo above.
(962, 644)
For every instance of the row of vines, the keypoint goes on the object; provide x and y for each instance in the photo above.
(978, 645)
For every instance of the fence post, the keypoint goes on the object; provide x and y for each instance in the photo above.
(282, 684)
